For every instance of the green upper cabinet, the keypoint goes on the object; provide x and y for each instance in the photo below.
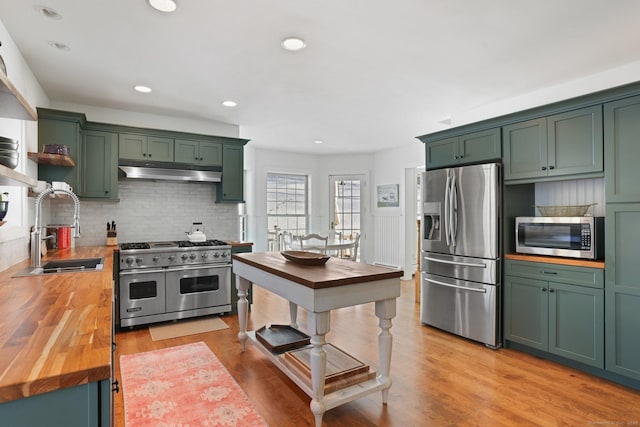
(471, 148)
(64, 130)
(231, 189)
(622, 150)
(143, 147)
(544, 309)
(568, 144)
(98, 165)
(194, 152)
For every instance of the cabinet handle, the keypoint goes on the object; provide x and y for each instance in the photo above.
(149, 155)
(544, 168)
(455, 157)
(460, 157)
(551, 167)
(201, 158)
(115, 386)
(106, 191)
(544, 289)
(549, 272)
(551, 291)
(144, 154)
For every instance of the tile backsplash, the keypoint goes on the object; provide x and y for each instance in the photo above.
(151, 210)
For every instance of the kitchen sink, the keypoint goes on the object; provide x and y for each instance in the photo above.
(77, 265)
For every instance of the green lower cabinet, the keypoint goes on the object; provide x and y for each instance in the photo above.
(559, 318)
(622, 288)
(234, 290)
(86, 405)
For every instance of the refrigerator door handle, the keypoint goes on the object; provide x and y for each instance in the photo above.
(464, 288)
(454, 210)
(464, 264)
(447, 196)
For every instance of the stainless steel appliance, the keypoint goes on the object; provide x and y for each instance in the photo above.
(564, 236)
(161, 281)
(461, 251)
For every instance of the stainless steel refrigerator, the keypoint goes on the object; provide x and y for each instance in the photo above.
(460, 286)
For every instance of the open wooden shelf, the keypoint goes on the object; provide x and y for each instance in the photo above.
(11, 177)
(12, 104)
(51, 159)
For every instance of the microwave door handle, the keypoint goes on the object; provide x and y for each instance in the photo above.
(446, 208)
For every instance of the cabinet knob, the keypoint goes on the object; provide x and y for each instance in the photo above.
(115, 386)
(460, 157)
(551, 167)
(544, 168)
(144, 154)
(552, 291)
(544, 289)
(149, 155)
(201, 158)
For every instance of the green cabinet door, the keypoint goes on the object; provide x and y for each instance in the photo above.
(576, 323)
(160, 149)
(210, 153)
(575, 142)
(132, 146)
(622, 150)
(231, 189)
(525, 149)
(569, 144)
(526, 312)
(480, 146)
(99, 165)
(442, 153)
(622, 289)
(466, 149)
(79, 406)
(64, 132)
(186, 151)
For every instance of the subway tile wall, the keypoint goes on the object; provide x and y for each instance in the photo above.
(151, 211)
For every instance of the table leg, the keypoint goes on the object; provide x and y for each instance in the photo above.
(319, 325)
(385, 311)
(242, 285)
(293, 314)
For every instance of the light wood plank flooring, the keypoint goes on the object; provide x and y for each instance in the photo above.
(438, 379)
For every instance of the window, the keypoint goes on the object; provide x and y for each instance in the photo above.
(347, 204)
(287, 203)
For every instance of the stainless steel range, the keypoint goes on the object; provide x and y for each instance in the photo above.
(160, 281)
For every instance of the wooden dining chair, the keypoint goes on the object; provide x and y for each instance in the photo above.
(313, 243)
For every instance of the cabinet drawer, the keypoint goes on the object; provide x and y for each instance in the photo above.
(582, 276)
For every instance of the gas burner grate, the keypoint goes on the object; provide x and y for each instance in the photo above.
(128, 246)
(188, 244)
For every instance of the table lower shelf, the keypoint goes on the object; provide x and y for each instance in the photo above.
(332, 399)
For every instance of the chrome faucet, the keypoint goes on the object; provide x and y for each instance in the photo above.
(36, 259)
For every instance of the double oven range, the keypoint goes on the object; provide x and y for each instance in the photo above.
(161, 281)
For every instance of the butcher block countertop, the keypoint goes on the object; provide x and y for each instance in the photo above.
(336, 271)
(576, 262)
(55, 329)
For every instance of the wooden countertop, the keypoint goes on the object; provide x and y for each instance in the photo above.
(556, 260)
(55, 330)
(235, 243)
(336, 271)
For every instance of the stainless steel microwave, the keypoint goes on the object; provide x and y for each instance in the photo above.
(562, 236)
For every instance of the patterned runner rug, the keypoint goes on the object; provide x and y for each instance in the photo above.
(183, 386)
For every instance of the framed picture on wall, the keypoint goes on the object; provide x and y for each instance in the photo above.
(387, 195)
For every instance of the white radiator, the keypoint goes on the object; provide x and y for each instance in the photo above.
(387, 241)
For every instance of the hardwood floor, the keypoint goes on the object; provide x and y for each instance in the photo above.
(438, 379)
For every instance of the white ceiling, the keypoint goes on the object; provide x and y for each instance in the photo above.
(375, 73)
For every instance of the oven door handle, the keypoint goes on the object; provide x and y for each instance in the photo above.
(196, 267)
(141, 271)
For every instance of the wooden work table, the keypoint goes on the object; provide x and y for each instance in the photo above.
(319, 289)
(55, 329)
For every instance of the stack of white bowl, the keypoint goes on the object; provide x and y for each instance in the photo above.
(9, 154)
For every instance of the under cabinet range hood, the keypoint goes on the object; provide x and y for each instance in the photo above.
(169, 171)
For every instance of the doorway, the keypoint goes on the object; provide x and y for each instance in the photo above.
(346, 195)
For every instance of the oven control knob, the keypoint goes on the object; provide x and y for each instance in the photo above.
(216, 254)
(205, 255)
(192, 256)
(156, 259)
(225, 254)
(171, 257)
(184, 257)
(129, 261)
(139, 260)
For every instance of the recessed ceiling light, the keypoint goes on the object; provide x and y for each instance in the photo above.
(142, 89)
(163, 5)
(229, 103)
(293, 44)
(48, 12)
(317, 141)
(59, 46)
